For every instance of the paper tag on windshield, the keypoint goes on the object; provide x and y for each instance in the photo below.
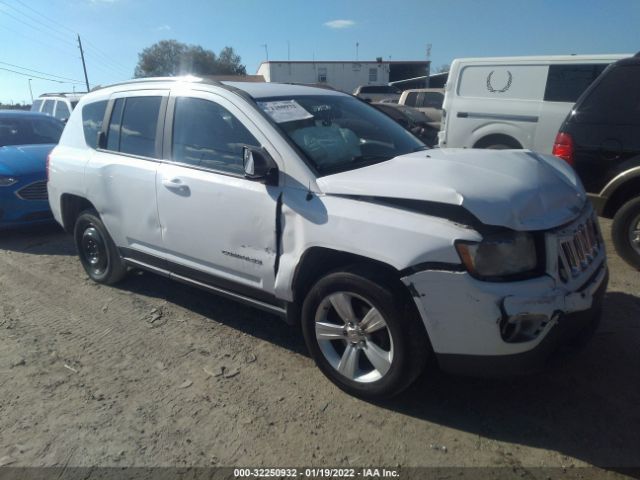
(285, 111)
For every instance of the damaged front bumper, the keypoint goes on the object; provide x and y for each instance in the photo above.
(495, 329)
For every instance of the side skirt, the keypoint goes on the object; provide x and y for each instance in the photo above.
(212, 284)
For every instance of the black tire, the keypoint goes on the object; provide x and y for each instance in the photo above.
(410, 345)
(498, 142)
(624, 222)
(98, 254)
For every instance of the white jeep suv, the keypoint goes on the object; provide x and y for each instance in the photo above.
(310, 204)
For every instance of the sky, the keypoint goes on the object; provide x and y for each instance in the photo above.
(38, 37)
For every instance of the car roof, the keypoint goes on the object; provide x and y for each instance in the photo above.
(23, 114)
(68, 96)
(545, 58)
(253, 89)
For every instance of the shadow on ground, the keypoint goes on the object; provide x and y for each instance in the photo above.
(586, 406)
(47, 239)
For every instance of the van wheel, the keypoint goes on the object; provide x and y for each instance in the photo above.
(498, 142)
(98, 254)
(625, 232)
(363, 334)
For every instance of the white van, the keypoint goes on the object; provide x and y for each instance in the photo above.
(514, 102)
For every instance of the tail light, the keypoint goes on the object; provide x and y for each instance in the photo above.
(47, 166)
(563, 147)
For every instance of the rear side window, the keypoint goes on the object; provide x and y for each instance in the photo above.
(92, 115)
(48, 107)
(615, 100)
(565, 83)
(207, 135)
(432, 100)
(35, 107)
(411, 100)
(62, 111)
(133, 126)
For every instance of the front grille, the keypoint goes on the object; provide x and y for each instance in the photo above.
(34, 191)
(578, 249)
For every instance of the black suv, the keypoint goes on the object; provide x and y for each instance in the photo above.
(601, 139)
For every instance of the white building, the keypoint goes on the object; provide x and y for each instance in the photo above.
(345, 76)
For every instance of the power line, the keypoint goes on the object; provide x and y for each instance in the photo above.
(105, 58)
(48, 45)
(92, 55)
(58, 37)
(43, 73)
(45, 17)
(36, 76)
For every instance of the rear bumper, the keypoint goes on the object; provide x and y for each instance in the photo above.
(573, 329)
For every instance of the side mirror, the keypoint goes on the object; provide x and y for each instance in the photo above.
(259, 166)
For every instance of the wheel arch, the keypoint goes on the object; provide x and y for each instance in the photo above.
(316, 262)
(70, 207)
(622, 193)
(497, 138)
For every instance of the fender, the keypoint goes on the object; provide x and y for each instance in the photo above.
(621, 179)
(392, 235)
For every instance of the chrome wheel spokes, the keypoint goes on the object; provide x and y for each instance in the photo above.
(354, 337)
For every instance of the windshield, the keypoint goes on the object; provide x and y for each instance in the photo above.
(29, 131)
(339, 133)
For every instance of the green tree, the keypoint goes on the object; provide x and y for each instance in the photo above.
(170, 58)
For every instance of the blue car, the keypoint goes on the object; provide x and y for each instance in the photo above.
(26, 138)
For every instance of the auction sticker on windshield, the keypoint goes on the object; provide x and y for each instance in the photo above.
(283, 111)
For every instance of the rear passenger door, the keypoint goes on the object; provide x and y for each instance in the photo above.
(218, 227)
(121, 174)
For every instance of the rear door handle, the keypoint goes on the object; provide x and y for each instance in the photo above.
(175, 183)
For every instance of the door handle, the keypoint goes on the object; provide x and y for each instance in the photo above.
(175, 183)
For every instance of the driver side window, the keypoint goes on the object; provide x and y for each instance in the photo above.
(207, 135)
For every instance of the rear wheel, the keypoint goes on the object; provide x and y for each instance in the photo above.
(98, 254)
(625, 232)
(363, 334)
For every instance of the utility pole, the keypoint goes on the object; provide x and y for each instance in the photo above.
(357, 46)
(30, 91)
(266, 50)
(84, 66)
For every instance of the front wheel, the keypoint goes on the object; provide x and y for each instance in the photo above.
(625, 232)
(363, 334)
(98, 254)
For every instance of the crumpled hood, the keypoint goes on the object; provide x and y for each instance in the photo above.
(24, 159)
(517, 189)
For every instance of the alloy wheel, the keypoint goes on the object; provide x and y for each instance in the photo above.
(354, 337)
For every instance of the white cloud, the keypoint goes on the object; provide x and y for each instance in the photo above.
(163, 28)
(340, 24)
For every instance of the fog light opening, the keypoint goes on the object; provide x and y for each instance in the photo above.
(522, 328)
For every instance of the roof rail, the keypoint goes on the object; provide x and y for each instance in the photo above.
(61, 94)
(182, 78)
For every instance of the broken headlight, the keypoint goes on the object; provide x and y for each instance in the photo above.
(500, 256)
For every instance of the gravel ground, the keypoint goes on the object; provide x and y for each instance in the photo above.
(154, 373)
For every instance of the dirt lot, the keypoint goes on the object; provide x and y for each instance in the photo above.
(154, 373)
